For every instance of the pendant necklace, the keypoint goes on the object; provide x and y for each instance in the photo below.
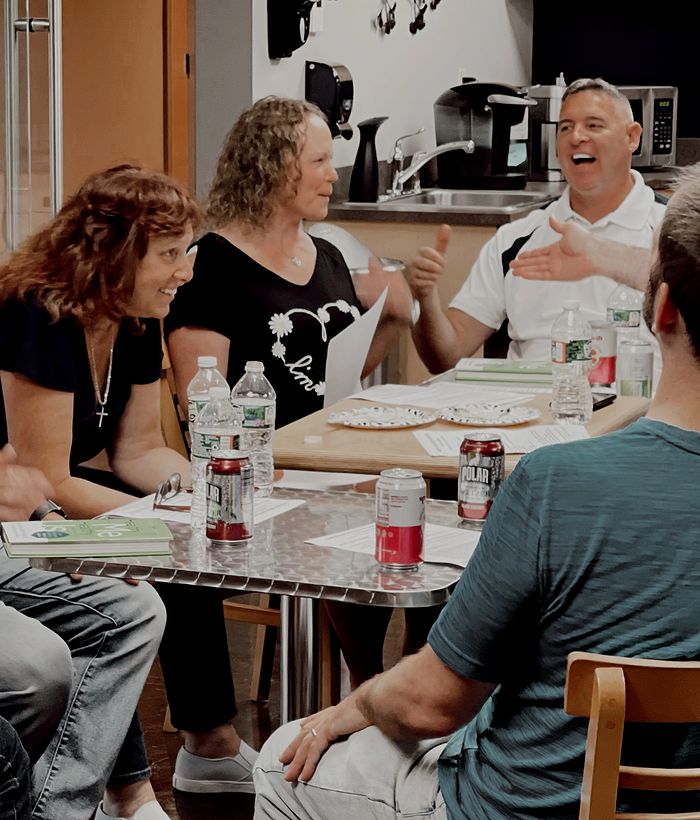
(296, 261)
(99, 398)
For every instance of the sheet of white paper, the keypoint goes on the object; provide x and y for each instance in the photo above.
(441, 545)
(514, 441)
(347, 353)
(263, 508)
(441, 394)
(311, 480)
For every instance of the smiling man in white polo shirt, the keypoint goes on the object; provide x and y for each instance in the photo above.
(596, 139)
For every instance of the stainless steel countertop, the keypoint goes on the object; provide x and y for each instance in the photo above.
(407, 211)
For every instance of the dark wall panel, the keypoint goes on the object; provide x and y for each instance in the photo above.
(626, 43)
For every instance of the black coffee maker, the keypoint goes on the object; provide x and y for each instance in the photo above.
(485, 113)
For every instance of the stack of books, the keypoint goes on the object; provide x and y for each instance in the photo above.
(520, 371)
(100, 537)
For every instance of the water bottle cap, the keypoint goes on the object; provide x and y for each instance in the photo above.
(571, 304)
(218, 392)
(206, 361)
(254, 367)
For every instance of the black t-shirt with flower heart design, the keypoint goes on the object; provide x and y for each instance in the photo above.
(285, 326)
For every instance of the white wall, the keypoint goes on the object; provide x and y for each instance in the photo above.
(400, 75)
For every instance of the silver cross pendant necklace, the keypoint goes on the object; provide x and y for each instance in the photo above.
(100, 398)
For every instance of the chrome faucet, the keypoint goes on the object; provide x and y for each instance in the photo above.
(420, 158)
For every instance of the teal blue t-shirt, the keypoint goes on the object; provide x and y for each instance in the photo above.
(590, 546)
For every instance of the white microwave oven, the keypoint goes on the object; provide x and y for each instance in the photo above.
(654, 107)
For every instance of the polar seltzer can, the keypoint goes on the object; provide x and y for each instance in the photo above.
(482, 464)
(400, 498)
(229, 497)
(603, 353)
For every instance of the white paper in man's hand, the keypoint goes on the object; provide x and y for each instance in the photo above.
(347, 353)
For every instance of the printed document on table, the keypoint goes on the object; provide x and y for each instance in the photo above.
(263, 508)
(347, 353)
(514, 441)
(441, 545)
(442, 394)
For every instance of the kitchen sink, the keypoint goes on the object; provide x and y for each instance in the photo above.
(481, 201)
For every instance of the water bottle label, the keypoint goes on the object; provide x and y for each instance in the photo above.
(260, 416)
(576, 350)
(624, 318)
(204, 444)
(193, 408)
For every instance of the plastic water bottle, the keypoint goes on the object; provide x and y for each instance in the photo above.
(217, 427)
(198, 389)
(572, 402)
(256, 397)
(625, 313)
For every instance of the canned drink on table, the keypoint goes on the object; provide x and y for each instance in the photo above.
(603, 354)
(229, 497)
(482, 464)
(635, 368)
(400, 499)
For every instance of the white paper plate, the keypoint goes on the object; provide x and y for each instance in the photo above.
(489, 415)
(382, 418)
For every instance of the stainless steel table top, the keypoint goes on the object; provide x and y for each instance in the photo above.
(277, 560)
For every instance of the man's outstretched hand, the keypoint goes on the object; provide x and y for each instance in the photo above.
(567, 260)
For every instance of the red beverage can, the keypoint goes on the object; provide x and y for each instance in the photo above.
(482, 463)
(400, 498)
(603, 353)
(229, 497)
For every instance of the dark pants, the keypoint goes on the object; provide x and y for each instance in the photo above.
(194, 657)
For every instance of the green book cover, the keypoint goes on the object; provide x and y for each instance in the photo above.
(98, 537)
(515, 370)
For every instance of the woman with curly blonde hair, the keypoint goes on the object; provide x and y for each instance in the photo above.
(264, 289)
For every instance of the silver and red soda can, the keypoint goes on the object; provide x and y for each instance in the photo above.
(229, 497)
(603, 353)
(400, 499)
(482, 463)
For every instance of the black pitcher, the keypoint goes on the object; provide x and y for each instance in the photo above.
(364, 181)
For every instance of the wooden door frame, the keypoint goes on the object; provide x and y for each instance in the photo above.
(179, 98)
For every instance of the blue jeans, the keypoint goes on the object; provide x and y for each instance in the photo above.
(112, 630)
(14, 775)
(365, 776)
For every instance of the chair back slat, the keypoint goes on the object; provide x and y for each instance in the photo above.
(611, 690)
(660, 780)
(657, 691)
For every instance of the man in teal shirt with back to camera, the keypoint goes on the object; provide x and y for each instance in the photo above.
(590, 546)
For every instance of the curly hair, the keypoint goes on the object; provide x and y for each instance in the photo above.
(259, 158)
(82, 264)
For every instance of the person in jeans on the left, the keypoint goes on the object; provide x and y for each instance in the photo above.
(74, 655)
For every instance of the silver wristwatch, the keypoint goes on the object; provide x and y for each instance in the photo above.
(44, 509)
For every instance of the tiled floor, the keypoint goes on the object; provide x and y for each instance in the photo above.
(254, 722)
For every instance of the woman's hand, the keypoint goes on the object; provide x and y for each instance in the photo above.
(22, 489)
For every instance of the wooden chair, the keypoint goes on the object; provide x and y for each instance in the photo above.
(609, 691)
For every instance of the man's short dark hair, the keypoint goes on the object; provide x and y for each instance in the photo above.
(678, 258)
(597, 84)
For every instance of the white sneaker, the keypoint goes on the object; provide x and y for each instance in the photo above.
(149, 811)
(219, 774)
